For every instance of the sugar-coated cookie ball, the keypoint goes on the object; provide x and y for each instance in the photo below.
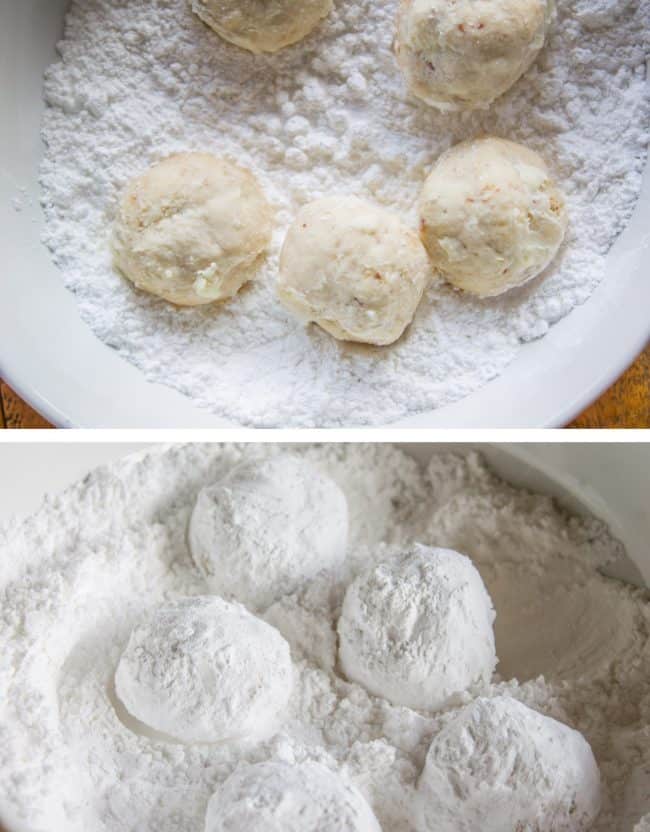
(192, 229)
(354, 269)
(204, 670)
(500, 766)
(262, 25)
(268, 527)
(491, 216)
(417, 629)
(462, 54)
(279, 797)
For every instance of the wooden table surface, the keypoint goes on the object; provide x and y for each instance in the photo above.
(625, 405)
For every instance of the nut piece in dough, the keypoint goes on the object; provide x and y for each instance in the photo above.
(498, 765)
(267, 528)
(279, 797)
(192, 229)
(354, 269)
(262, 25)
(417, 629)
(204, 670)
(491, 216)
(466, 53)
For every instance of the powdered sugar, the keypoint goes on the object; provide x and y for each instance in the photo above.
(266, 529)
(203, 670)
(497, 765)
(77, 576)
(329, 115)
(417, 629)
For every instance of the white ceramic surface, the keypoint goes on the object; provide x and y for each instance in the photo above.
(51, 358)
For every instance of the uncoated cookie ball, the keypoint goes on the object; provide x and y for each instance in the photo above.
(463, 54)
(262, 25)
(491, 216)
(354, 269)
(193, 229)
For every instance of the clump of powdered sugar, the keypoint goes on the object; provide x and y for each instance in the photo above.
(329, 115)
(79, 574)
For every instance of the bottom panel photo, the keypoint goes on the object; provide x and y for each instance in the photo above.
(324, 638)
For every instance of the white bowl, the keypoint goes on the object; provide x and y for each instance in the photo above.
(52, 359)
(610, 481)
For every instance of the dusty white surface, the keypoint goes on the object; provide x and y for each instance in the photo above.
(204, 670)
(330, 115)
(498, 765)
(265, 529)
(417, 628)
(280, 797)
(75, 577)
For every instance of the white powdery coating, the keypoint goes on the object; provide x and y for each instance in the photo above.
(498, 765)
(77, 576)
(204, 670)
(330, 115)
(265, 529)
(417, 629)
(277, 797)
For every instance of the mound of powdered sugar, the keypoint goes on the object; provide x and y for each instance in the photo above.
(77, 576)
(140, 79)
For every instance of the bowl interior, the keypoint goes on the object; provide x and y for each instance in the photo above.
(52, 359)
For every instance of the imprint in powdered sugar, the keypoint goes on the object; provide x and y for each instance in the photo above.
(139, 80)
(112, 552)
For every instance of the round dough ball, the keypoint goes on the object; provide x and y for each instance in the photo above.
(497, 765)
(278, 797)
(192, 229)
(354, 269)
(417, 629)
(204, 670)
(268, 527)
(464, 54)
(262, 25)
(491, 216)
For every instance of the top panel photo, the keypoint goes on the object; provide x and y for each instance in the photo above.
(324, 213)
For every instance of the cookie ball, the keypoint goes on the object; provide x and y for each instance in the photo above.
(268, 527)
(464, 54)
(417, 629)
(498, 765)
(354, 269)
(279, 797)
(193, 229)
(262, 25)
(492, 218)
(204, 670)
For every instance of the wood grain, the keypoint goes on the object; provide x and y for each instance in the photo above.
(16, 414)
(625, 405)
